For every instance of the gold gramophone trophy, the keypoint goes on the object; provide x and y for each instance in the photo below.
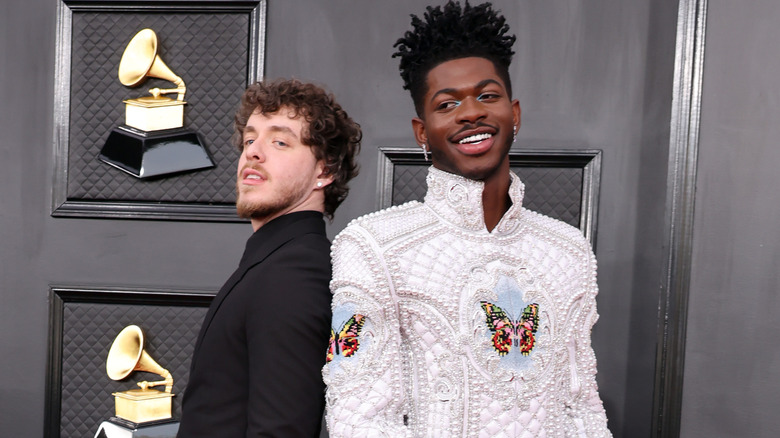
(153, 141)
(139, 412)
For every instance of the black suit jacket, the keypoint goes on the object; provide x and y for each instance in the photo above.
(256, 368)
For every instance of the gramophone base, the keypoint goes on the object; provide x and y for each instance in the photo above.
(155, 153)
(143, 405)
(117, 428)
(154, 114)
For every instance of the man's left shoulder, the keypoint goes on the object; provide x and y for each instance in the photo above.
(309, 246)
(302, 248)
(555, 231)
(387, 225)
(297, 270)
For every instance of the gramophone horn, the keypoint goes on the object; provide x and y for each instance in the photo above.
(127, 354)
(140, 60)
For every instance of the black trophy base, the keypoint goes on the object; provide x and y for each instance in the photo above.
(117, 427)
(155, 153)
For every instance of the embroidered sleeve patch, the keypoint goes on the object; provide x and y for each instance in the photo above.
(508, 331)
(346, 341)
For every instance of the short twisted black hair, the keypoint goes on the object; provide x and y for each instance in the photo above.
(448, 33)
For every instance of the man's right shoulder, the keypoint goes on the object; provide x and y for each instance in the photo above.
(358, 251)
(389, 224)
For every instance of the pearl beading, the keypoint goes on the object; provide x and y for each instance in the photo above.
(418, 272)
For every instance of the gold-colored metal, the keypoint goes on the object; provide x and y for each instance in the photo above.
(140, 406)
(140, 61)
(153, 114)
(126, 355)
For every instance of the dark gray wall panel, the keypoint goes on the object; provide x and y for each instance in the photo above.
(84, 324)
(731, 362)
(96, 99)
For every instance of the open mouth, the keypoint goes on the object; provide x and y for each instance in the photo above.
(476, 138)
(476, 142)
(252, 176)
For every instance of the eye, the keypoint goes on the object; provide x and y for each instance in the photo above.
(447, 104)
(280, 143)
(248, 142)
(488, 96)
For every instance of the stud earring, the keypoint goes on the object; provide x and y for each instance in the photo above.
(319, 184)
(425, 151)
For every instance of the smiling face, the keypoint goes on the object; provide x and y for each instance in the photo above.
(277, 173)
(467, 120)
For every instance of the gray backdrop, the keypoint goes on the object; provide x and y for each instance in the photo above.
(732, 362)
(594, 74)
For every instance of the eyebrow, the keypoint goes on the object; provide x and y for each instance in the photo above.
(274, 129)
(481, 84)
(283, 130)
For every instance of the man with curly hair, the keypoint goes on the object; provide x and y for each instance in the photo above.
(466, 314)
(256, 366)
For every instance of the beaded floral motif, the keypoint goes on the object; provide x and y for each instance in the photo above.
(345, 341)
(511, 332)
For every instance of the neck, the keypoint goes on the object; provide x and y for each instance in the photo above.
(315, 202)
(258, 223)
(495, 196)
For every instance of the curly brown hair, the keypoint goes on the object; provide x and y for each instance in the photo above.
(333, 136)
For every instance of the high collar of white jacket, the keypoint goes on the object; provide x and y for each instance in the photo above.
(458, 200)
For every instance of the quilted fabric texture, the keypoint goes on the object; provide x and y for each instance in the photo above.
(214, 67)
(552, 191)
(438, 293)
(89, 329)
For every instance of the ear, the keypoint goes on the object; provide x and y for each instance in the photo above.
(418, 127)
(323, 177)
(516, 113)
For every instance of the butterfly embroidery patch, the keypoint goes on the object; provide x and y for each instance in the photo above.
(347, 341)
(509, 332)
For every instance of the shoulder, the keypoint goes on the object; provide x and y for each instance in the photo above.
(311, 244)
(556, 233)
(298, 239)
(562, 252)
(300, 266)
(386, 225)
(359, 251)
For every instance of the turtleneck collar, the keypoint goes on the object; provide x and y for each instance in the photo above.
(458, 200)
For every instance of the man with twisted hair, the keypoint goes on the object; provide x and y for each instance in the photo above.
(256, 366)
(466, 314)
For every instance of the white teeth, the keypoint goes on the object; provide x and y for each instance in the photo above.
(475, 138)
(252, 177)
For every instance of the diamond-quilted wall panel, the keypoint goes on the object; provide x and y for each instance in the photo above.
(89, 329)
(209, 51)
(409, 183)
(553, 191)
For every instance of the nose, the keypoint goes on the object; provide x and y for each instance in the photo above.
(254, 151)
(471, 110)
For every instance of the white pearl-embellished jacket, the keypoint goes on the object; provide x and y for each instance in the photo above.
(443, 329)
